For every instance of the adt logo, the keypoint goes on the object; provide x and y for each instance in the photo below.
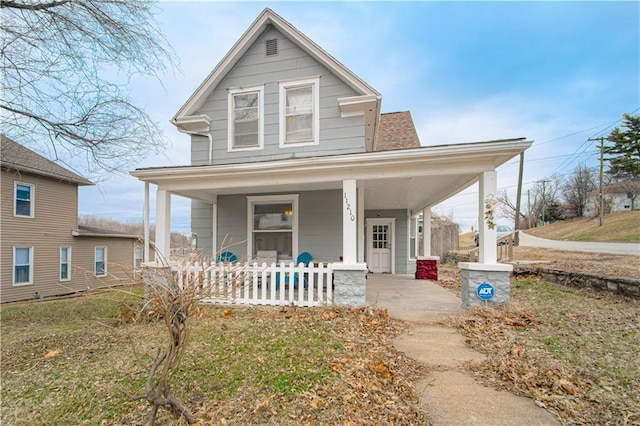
(485, 291)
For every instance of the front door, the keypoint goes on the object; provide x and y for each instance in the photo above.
(379, 245)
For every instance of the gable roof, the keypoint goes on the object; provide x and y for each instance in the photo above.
(88, 231)
(396, 131)
(617, 188)
(17, 157)
(269, 17)
(366, 103)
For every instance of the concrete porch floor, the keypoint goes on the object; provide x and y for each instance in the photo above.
(409, 299)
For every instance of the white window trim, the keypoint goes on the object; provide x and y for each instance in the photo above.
(284, 85)
(415, 221)
(68, 264)
(13, 271)
(230, 118)
(273, 199)
(95, 259)
(141, 250)
(32, 201)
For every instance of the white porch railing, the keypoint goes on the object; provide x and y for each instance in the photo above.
(253, 284)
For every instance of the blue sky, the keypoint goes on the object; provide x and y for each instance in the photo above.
(557, 73)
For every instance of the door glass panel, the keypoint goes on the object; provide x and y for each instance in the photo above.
(380, 236)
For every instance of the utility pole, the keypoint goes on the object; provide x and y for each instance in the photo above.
(601, 139)
(529, 207)
(544, 198)
(518, 197)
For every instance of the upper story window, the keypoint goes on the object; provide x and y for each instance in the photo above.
(23, 199)
(246, 124)
(299, 117)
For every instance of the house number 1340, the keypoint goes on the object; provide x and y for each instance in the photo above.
(348, 205)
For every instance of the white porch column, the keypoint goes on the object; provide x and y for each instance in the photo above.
(163, 226)
(361, 225)
(426, 232)
(349, 222)
(214, 228)
(488, 203)
(146, 226)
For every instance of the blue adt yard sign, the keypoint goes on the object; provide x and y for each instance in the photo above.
(485, 291)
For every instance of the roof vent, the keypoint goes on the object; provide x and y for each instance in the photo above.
(272, 47)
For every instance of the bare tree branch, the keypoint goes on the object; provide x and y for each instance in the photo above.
(65, 69)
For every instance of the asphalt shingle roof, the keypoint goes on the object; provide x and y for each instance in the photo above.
(17, 157)
(396, 131)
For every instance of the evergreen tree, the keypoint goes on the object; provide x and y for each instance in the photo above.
(623, 150)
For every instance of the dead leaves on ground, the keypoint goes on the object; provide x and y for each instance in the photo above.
(553, 351)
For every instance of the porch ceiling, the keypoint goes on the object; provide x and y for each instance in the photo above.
(410, 178)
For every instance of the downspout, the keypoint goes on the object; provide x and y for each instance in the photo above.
(208, 135)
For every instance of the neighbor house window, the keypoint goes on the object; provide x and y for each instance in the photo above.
(245, 118)
(23, 199)
(100, 261)
(65, 263)
(273, 225)
(299, 118)
(22, 265)
(137, 255)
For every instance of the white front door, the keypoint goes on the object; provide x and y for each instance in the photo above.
(379, 237)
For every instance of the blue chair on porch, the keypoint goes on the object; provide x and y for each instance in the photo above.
(305, 258)
(227, 257)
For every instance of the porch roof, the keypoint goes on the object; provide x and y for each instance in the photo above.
(413, 178)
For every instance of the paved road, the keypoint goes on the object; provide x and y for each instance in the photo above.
(632, 249)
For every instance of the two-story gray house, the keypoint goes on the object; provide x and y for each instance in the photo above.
(43, 250)
(290, 153)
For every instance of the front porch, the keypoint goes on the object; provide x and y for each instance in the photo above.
(358, 211)
(305, 286)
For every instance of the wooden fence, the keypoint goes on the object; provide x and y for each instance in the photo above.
(505, 248)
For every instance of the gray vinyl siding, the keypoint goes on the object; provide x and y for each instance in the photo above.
(55, 217)
(400, 239)
(319, 226)
(232, 224)
(337, 135)
(201, 219)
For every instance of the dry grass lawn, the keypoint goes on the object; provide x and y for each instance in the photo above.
(573, 352)
(622, 227)
(67, 362)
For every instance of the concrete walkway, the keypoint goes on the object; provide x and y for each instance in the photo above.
(448, 394)
(630, 249)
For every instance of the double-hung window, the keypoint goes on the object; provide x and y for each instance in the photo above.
(22, 265)
(100, 268)
(273, 225)
(23, 199)
(299, 117)
(246, 124)
(65, 263)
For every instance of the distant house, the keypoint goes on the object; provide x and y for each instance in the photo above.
(290, 153)
(43, 251)
(618, 197)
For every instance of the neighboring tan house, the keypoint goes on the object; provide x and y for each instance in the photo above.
(618, 197)
(43, 251)
(290, 153)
